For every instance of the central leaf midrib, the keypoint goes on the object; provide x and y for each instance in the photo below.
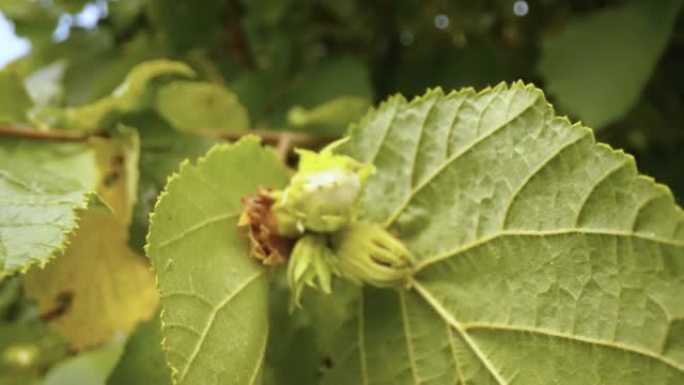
(407, 337)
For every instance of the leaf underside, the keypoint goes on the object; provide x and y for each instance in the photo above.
(214, 295)
(543, 256)
(40, 199)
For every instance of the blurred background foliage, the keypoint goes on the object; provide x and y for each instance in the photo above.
(313, 67)
(615, 65)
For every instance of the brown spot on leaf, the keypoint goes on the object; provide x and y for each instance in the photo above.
(328, 361)
(63, 302)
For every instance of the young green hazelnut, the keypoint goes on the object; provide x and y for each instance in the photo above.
(323, 195)
(312, 264)
(368, 254)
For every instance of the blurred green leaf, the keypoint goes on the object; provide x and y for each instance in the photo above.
(143, 361)
(599, 65)
(35, 20)
(14, 100)
(27, 350)
(310, 330)
(162, 151)
(135, 94)
(331, 117)
(200, 107)
(98, 65)
(71, 6)
(184, 25)
(333, 78)
(90, 367)
(42, 188)
(124, 13)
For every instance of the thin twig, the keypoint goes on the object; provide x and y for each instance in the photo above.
(68, 136)
(274, 138)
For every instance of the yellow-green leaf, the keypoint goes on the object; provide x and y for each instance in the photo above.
(331, 117)
(98, 286)
(195, 107)
(106, 286)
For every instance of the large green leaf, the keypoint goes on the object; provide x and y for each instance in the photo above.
(42, 186)
(600, 64)
(214, 295)
(544, 258)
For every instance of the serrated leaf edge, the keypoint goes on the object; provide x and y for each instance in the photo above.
(170, 181)
(66, 236)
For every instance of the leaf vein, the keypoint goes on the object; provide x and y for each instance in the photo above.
(615, 233)
(576, 338)
(593, 188)
(531, 176)
(393, 217)
(212, 317)
(458, 375)
(439, 308)
(198, 226)
(420, 140)
(407, 337)
(384, 135)
(362, 343)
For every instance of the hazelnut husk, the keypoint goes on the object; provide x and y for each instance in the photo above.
(258, 219)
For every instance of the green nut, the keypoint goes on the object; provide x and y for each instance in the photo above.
(324, 194)
(368, 254)
(312, 264)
